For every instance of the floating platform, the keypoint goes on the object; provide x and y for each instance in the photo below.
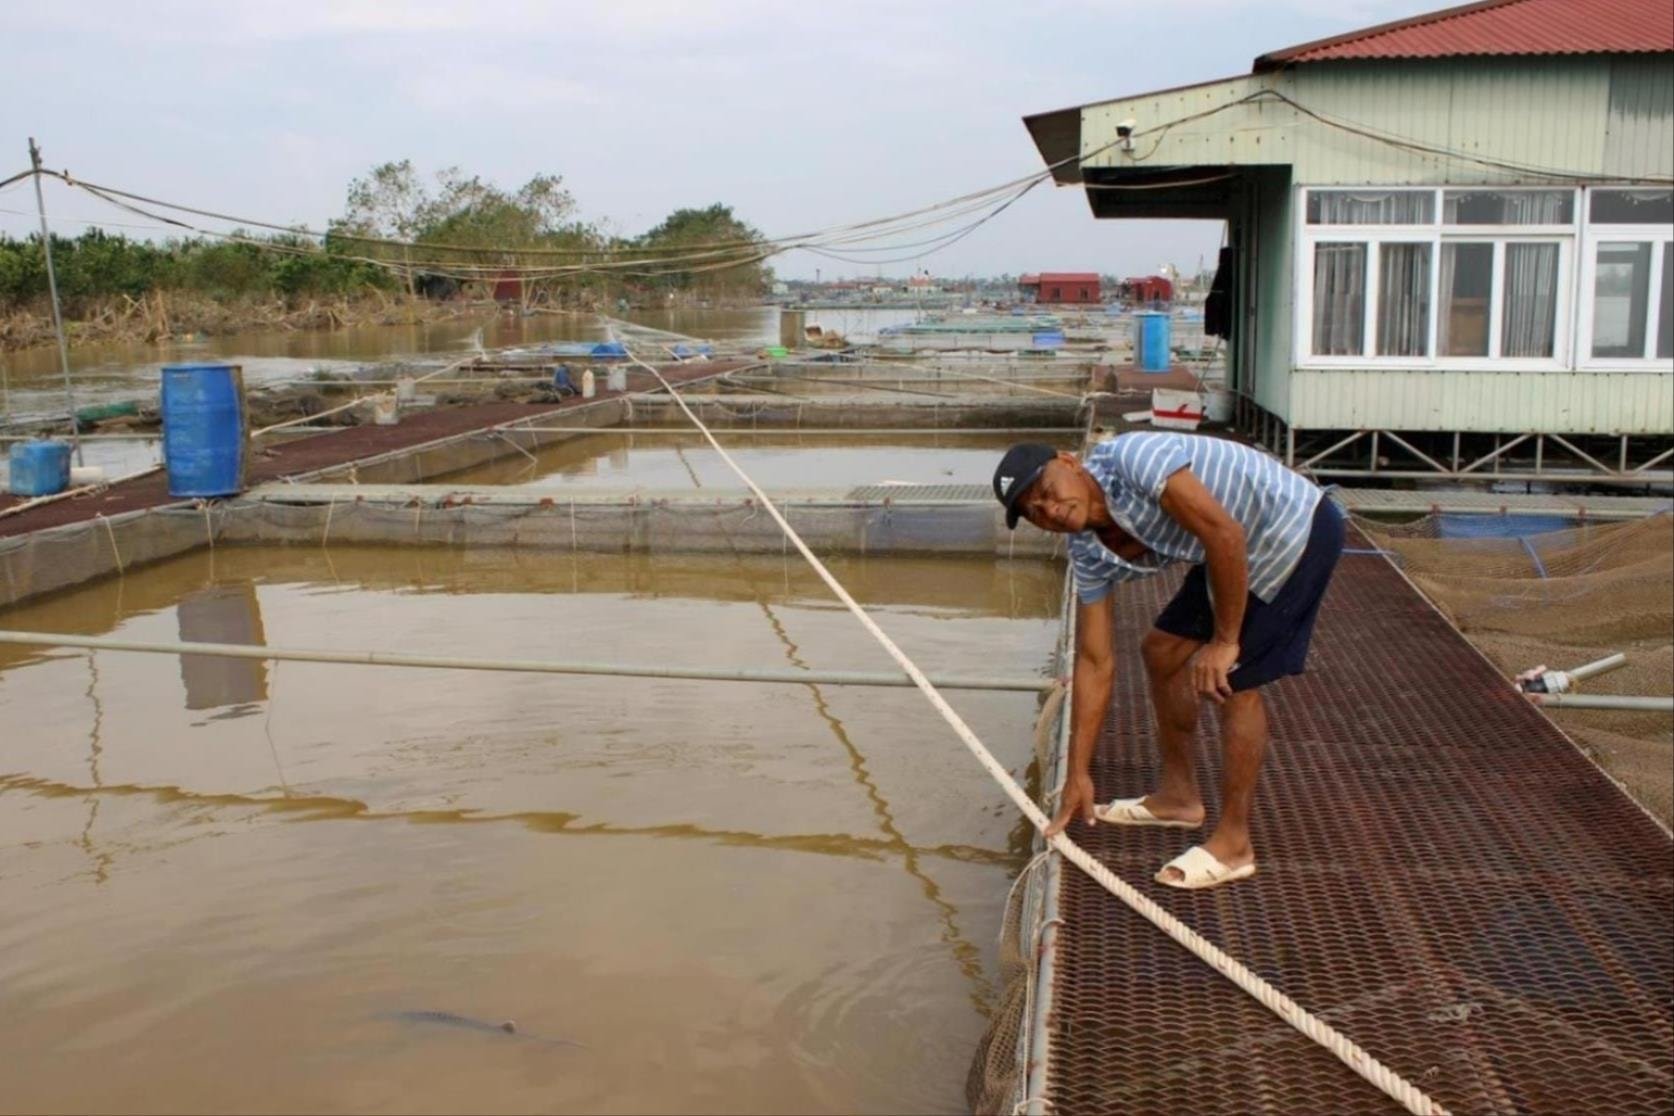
(1444, 877)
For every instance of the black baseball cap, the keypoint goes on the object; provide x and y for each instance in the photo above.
(1019, 468)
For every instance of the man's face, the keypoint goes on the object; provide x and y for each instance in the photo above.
(1059, 500)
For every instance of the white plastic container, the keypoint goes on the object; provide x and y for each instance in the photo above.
(385, 410)
(617, 379)
(1176, 410)
(589, 387)
(406, 389)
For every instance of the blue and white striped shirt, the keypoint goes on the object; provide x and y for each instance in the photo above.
(1274, 506)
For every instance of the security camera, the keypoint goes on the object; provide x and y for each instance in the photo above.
(1124, 133)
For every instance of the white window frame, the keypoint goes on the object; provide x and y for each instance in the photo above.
(1436, 233)
(1661, 240)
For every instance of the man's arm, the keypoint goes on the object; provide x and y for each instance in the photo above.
(1094, 671)
(1190, 505)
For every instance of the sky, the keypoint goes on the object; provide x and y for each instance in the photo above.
(798, 115)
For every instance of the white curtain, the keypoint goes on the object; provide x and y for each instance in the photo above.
(1339, 299)
(1508, 207)
(1382, 207)
(1530, 316)
(1403, 299)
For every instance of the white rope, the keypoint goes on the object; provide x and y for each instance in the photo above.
(1340, 1045)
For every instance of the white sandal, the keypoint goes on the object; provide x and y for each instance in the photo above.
(1199, 869)
(1133, 811)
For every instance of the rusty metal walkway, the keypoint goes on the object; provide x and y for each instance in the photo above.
(1444, 877)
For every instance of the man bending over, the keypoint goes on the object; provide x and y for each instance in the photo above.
(1262, 543)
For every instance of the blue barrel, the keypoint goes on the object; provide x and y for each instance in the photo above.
(1151, 341)
(39, 468)
(204, 430)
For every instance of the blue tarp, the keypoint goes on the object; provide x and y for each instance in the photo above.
(609, 350)
(1450, 525)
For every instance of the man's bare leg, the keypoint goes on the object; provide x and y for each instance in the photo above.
(1177, 797)
(1243, 744)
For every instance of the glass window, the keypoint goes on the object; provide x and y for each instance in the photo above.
(1633, 207)
(1508, 207)
(1529, 321)
(1621, 289)
(1371, 207)
(1339, 299)
(1403, 299)
(1665, 313)
(1467, 283)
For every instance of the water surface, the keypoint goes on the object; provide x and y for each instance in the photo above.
(222, 878)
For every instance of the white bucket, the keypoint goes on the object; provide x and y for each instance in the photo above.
(406, 389)
(1217, 405)
(617, 379)
(385, 410)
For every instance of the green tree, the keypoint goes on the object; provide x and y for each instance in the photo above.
(727, 255)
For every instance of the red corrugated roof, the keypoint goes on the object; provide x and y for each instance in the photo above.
(1062, 277)
(1502, 27)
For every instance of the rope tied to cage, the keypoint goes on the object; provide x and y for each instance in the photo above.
(1408, 1095)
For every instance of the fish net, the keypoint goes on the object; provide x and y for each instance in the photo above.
(1561, 598)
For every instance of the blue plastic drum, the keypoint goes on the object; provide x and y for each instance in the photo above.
(204, 431)
(39, 468)
(1151, 349)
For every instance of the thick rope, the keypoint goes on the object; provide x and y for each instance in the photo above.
(1403, 1092)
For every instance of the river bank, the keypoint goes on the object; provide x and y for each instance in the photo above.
(182, 316)
(165, 317)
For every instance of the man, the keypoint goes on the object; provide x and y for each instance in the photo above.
(1262, 543)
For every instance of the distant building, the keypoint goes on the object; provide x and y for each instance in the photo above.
(1450, 240)
(1148, 289)
(1060, 286)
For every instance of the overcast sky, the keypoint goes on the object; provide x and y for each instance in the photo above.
(799, 115)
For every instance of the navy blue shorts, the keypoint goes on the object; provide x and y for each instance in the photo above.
(1273, 642)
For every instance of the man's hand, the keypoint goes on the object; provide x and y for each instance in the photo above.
(1214, 661)
(1078, 799)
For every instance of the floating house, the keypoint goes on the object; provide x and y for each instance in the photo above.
(1450, 238)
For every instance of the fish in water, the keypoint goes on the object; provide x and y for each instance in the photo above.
(466, 1023)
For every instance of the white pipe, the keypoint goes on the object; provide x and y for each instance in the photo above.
(1604, 701)
(1540, 680)
(1598, 666)
(530, 666)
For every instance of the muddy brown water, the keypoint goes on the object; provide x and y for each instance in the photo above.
(222, 879)
(779, 460)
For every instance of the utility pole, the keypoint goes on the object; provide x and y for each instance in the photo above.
(57, 314)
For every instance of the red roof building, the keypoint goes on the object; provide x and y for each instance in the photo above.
(1503, 27)
(1073, 287)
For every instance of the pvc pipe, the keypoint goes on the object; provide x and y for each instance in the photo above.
(1604, 701)
(1598, 666)
(530, 666)
(1540, 680)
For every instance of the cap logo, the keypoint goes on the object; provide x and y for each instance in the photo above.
(1005, 484)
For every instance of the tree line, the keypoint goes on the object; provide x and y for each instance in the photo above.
(454, 236)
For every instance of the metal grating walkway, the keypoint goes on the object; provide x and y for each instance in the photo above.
(1443, 877)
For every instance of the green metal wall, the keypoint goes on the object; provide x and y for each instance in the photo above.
(1594, 115)
(1605, 116)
